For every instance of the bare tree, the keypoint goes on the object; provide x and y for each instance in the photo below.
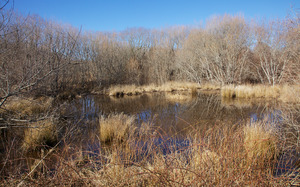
(292, 38)
(165, 43)
(218, 53)
(272, 50)
(191, 60)
(33, 50)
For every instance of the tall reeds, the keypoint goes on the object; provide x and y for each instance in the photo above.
(120, 90)
(116, 127)
(286, 93)
(260, 143)
(223, 155)
(24, 107)
(41, 133)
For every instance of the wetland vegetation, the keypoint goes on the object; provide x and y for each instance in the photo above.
(216, 105)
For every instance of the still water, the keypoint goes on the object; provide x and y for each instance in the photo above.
(173, 114)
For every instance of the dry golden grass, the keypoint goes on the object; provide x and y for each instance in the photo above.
(286, 93)
(119, 90)
(124, 90)
(29, 106)
(224, 155)
(39, 133)
(260, 143)
(228, 91)
(205, 158)
(209, 86)
(116, 127)
(181, 86)
(290, 93)
(150, 88)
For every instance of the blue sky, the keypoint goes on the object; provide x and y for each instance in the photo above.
(117, 15)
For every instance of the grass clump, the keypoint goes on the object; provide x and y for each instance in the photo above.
(28, 106)
(181, 86)
(228, 91)
(209, 86)
(41, 133)
(120, 90)
(223, 155)
(205, 158)
(260, 143)
(116, 127)
(250, 91)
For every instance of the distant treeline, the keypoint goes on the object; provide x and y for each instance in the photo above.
(42, 55)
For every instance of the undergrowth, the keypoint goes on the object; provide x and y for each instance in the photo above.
(223, 155)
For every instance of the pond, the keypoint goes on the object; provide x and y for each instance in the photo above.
(174, 114)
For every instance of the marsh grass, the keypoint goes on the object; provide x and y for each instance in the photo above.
(120, 90)
(286, 93)
(260, 142)
(222, 155)
(192, 87)
(116, 127)
(24, 107)
(210, 86)
(228, 91)
(238, 155)
(41, 133)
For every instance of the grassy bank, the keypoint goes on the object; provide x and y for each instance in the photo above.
(119, 90)
(286, 93)
(21, 107)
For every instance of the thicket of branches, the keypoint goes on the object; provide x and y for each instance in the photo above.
(44, 56)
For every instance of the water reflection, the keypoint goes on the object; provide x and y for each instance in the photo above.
(175, 117)
(171, 116)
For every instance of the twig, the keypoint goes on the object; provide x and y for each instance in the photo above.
(52, 149)
(7, 155)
